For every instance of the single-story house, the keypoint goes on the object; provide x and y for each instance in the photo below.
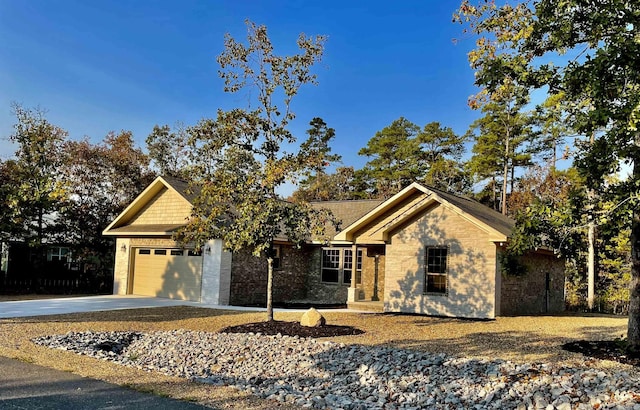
(421, 251)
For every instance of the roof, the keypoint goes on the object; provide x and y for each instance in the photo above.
(491, 217)
(180, 186)
(121, 224)
(346, 212)
(491, 221)
(147, 229)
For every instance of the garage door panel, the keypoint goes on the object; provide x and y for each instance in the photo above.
(167, 275)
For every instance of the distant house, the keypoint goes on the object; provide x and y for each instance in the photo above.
(421, 251)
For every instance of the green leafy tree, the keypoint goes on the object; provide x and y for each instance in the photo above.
(551, 117)
(39, 191)
(101, 180)
(402, 153)
(501, 72)
(502, 142)
(241, 159)
(168, 151)
(10, 224)
(394, 153)
(441, 152)
(607, 75)
(343, 184)
(316, 183)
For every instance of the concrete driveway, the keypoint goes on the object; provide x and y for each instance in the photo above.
(61, 306)
(40, 307)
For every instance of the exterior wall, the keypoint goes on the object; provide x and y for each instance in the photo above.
(527, 294)
(121, 267)
(318, 291)
(168, 207)
(471, 274)
(249, 277)
(123, 263)
(368, 276)
(216, 274)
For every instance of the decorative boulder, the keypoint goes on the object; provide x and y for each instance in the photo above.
(312, 318)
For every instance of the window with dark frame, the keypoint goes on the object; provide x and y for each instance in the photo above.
(337, 265)
(330, 265)
(277, 261)
(58, 254)
(436, 270)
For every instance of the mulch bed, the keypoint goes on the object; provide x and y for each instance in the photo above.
(614, 350)
(293, 329)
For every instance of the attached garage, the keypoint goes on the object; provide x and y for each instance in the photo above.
(167, 273)
(150, 263)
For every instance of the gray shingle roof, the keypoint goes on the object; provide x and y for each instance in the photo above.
(494, 219)
(347, 212)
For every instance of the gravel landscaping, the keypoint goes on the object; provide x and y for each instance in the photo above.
(516, 340)
(322, 374)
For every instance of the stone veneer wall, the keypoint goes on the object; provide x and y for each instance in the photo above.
(317, 291)
(121, 267)
(249, 277)
(471, 270)
(526, 295)
(368, 276)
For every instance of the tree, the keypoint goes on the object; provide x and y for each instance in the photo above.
(607, 74)
(316, 184)
(341, 185)
(502, 138)
(10, 224)
(501, 71)
(39, 192)
(168, 150)
(243, 162)
(601, 83)
(402, 153)
(101, 180)
(441, 152)
(394, 153)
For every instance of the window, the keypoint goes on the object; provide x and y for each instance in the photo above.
(331, 265)
(193, 252)
(276, 253)
(436, 270)
(144, 251)
(177, 252)
(160, 252)
(57, 254)
(337, 265)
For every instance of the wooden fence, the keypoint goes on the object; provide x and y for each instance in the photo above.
(42, 285)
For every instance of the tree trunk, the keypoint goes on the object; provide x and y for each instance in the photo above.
(505, 176)
(633, 329)
(270, 289)
(493, 188)
(591, 268)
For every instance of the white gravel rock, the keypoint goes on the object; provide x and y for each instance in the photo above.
(313, 374)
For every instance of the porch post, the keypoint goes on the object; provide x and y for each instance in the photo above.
(352, 293)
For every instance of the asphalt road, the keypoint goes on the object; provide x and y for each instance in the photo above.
(28, 386)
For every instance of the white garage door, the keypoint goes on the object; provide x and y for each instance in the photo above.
(167, 273)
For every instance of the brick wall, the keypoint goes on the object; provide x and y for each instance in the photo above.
(249, 277)
(526, 294)
(471, 272)
(318, 291)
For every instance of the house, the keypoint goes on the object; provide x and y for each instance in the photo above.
(421, 251)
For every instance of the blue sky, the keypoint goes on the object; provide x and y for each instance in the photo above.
(98, 66)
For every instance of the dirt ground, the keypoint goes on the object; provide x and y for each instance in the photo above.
(514, 338)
